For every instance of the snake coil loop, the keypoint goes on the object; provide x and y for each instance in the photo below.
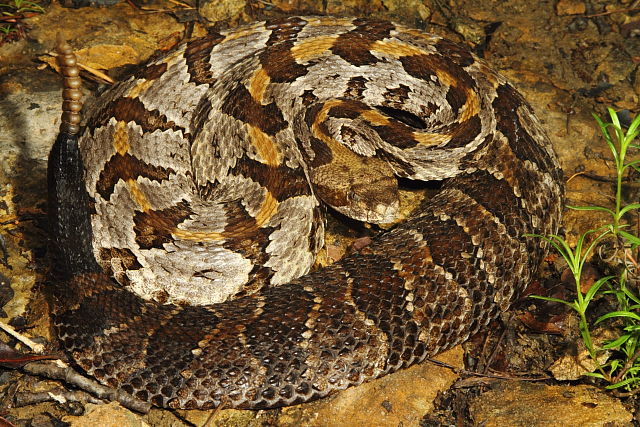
(200, 178)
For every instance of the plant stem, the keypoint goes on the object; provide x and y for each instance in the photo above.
(627, 365)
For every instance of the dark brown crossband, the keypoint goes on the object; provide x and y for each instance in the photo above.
(240, 105)
(125, 167)
(153, 228)
(355, 45)
(198, 56)
(132, 110)
(269, 177)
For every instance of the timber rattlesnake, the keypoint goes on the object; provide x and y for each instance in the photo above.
(198, 178)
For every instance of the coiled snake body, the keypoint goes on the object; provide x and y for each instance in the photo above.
(199, 179)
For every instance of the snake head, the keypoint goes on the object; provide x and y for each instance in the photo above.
(366, 191)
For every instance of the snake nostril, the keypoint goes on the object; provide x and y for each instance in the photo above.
(403, 116)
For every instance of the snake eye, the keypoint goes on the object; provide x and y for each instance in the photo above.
(403, 116)
(353, 196)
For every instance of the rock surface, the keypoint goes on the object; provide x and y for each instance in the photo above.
(524, 404)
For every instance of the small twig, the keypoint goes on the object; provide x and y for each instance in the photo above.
(212, 414)
(59, 395)
(631, 259)
(479, 374)
(15, 18)
(91, 70)
(96, 73)
(574, 176)
(34, 346)
(181, 4)
(602, 179)
(627, 365)
(493, 353)
(15, 219)
(593, 177)
(58, 370)
(626, 394)
(147, 11)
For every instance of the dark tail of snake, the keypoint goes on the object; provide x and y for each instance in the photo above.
(65, 179)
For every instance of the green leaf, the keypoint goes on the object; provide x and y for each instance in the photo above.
(634, 124)
(628, 208)
(614, 117)
(617, 342)
(622, 383)
(615, 364)
(595, 287)
(570, 304)
(632, 328)
(631, 296)
(618, 314)
(603, 127)
(594, 374)
(562, 247)
(633, 370)
(634, 240)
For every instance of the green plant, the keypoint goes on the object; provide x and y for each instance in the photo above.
(7, 29)
(20, 7)
(622, 369)
(575, 259)
(623, 372)
(12, 14)
(619, 149)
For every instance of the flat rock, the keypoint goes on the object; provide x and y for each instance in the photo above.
(528, 404)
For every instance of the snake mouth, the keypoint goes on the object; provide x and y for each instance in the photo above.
(374, 204)
(384, 214)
